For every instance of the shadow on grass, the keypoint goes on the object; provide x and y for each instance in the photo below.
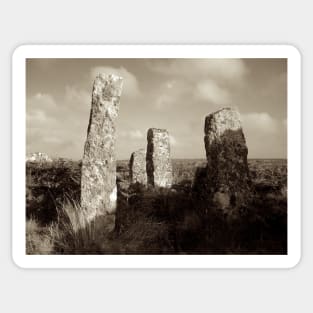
(165, 221)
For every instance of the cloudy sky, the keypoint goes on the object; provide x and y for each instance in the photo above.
(175, 94)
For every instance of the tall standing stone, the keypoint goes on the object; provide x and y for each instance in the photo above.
(159, 165)
(227, 167)
(98, 181)
(137, 167)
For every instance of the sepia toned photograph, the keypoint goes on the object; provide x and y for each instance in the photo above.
(156, 156)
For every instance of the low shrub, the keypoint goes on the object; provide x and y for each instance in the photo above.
(164, 221)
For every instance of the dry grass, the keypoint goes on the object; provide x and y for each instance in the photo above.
(39, 240)
(152, 221)
(71, 234)
(75, 234)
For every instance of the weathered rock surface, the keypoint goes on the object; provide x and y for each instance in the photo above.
(159, 165)
(98, 181)
(137, 167)
(227, 168)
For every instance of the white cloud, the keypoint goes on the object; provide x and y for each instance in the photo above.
(169, 94)
(37, 116)
(232, 70)
(38, 107)
(41, 101)
(76, 101)
(211, 91)
(132, 134)
(173, 141)
(57, 126)
(229, 69)
(170, 84)
(53, 139)
(75, 95)
(211, 80)
(130, 83)
(136, 134)
(261, 122)
(163, 101)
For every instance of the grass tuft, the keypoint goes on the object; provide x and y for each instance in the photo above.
(39, 240)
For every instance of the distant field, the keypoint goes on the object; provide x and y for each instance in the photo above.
(65, 172)
(261, 170)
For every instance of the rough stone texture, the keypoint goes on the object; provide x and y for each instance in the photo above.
(137, 167)
(98, 181)
(227, 168)
(159, 165)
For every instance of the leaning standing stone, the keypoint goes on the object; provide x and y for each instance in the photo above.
(227, 167)
(137, 167)
(98, 181)
(159, 165)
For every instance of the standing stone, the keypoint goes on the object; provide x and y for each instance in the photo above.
(137, 167)
(98, 181)
(227, 167)
(159, 165)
